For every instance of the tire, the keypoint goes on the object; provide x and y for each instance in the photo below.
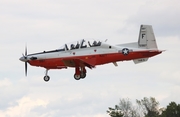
(77, 77)
(46, 78)
(83, 75)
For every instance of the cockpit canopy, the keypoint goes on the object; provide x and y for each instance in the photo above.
(80, 44)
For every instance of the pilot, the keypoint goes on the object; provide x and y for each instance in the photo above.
(95, 43)
(72, 46)
(77, 46)
(99, 43)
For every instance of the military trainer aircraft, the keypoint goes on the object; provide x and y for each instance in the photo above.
(90, 53)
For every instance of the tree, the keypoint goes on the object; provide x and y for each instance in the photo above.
(172, 110)
(114, 112)
(124, 109)
(149, 106)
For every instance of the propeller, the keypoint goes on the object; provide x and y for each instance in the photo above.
(25, 57)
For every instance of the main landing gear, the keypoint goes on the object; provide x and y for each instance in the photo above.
(80, 73)
(46, 77)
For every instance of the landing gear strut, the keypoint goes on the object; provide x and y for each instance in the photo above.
(46, 77)
(80, 73)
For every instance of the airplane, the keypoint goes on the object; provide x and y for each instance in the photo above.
(84, 54)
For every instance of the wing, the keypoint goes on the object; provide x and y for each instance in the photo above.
(90, 63)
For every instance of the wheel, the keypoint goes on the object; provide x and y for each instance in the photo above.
(77, 77)
(83, 75)
(46, 78)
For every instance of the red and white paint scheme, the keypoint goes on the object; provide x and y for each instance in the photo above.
(90, 53)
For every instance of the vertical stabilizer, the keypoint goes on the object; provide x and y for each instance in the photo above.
(146, 37)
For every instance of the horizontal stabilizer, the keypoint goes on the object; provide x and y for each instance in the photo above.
(136, 61)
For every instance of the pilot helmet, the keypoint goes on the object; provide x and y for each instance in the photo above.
(95, 42)
(72, 46)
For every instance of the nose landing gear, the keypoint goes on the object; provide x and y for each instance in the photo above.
(46, 77)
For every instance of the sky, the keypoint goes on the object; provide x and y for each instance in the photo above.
(48, 24)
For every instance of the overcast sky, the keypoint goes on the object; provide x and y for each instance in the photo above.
(48, 24)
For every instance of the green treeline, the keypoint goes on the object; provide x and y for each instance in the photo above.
(146, 107)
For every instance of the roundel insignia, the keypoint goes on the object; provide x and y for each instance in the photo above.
(125, 51)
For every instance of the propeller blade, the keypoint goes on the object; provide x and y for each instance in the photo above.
(26, 51)
(26, 68)
(26, 61)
